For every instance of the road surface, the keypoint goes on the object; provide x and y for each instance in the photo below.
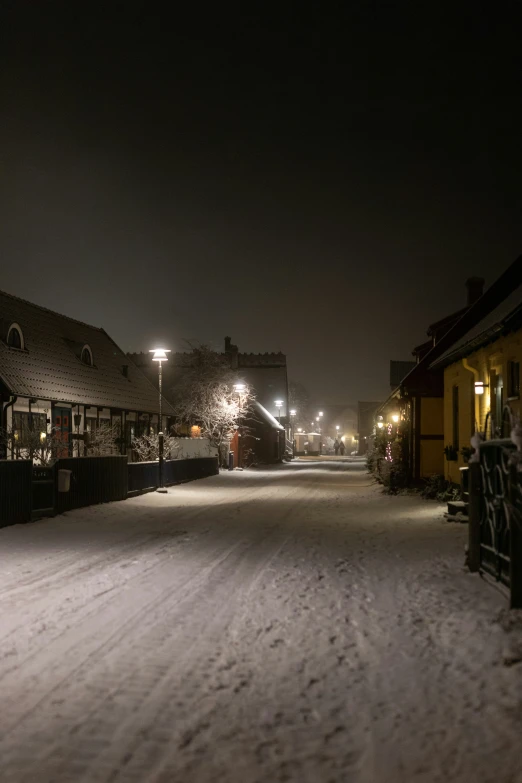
(288, 624)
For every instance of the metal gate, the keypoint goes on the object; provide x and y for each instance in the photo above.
(495, 515)
(43, 490)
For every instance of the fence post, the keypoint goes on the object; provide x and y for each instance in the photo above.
(474, 516)
(515, 541)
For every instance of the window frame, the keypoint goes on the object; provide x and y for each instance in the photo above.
(87, 349)
(15, 327)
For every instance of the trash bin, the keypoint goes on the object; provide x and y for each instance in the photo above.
(64, 480)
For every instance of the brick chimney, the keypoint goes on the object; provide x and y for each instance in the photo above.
(475, 286)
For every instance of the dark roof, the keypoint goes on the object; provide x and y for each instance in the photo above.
(446, 322)
(495, 295)
(398, 369)
(50, 368)
(507, 315)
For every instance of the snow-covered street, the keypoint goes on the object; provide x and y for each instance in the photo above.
(287, 624)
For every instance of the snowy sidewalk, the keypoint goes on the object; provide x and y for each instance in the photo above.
(288, 624)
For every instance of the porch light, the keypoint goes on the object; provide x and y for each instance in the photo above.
(480, 386)
(395, 417)
(293, 412)
(380, 425)
(43, 436)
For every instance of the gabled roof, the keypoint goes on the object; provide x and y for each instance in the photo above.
(446, 322)
(494, 297)
(50, 367)
(506, 316)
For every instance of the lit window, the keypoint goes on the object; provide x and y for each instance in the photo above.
(14, 337)
(86, 356)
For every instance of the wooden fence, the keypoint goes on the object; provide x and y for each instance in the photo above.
(15, 491)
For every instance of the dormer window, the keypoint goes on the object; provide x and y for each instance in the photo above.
(15, 337)
(86, 356)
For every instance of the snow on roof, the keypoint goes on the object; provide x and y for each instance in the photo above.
(50, 366)
(484, 330)
(266, 416)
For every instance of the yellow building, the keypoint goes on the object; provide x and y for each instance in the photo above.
(482, 380)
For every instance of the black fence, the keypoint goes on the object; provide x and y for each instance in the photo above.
(495, 515)
(93, 480)
(27, 491)
(144, 476)
(15, 491)
(43, 489)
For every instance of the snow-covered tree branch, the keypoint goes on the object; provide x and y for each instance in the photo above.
(207, 395)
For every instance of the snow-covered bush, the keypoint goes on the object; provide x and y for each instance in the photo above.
(146, 447)
(438, 487)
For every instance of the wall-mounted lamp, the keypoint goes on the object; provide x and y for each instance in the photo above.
(480, 386)
(43, 436)
(395, 417)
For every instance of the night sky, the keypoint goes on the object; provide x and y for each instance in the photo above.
(317, 183)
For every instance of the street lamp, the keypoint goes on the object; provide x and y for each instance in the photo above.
(160, 356)
(279, 405)
(239, 387)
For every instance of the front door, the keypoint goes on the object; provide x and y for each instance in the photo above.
(62, 430)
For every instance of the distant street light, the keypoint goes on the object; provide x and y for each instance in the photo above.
(337, 427)
(320, 413)
(160, 356)
(279, 405)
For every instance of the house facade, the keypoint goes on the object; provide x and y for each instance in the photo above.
(482, 380)
(62, 379)
(420, 403)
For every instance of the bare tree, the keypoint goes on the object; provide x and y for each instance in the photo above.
(102, 441)
(147, 447)
(299, 399)
(41, 448)
(205, 395)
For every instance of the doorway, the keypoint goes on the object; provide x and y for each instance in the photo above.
(62, 430)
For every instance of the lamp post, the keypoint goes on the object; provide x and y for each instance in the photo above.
(293, 414)
(160, 356)
(279, 405)
(239, 387)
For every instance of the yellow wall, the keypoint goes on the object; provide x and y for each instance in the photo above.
(432, 423)
(490, 359)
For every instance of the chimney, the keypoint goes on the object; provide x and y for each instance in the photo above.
(475, 286)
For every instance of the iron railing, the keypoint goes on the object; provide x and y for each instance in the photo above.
(495, 476)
